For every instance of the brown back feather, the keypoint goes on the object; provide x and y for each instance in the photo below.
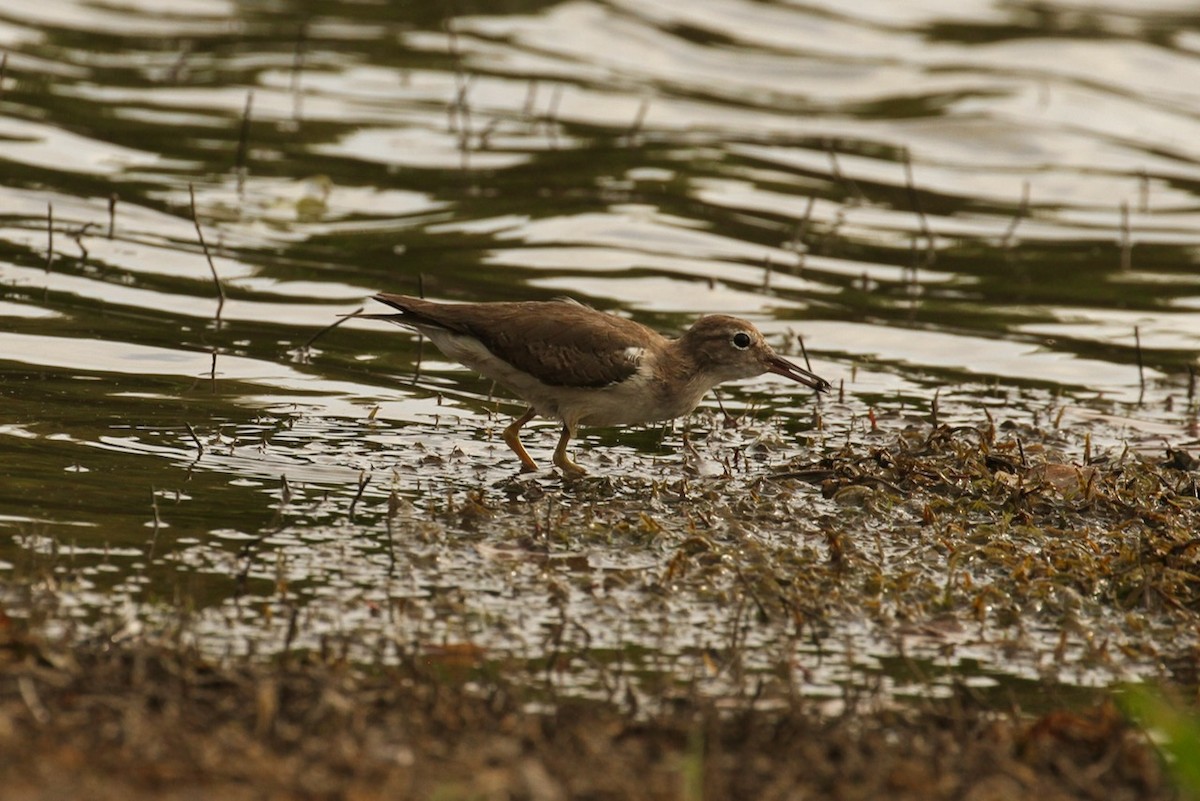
(558, 342)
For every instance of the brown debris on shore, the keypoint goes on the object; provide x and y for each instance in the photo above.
(134, 721)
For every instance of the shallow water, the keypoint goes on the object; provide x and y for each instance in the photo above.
(993, 202)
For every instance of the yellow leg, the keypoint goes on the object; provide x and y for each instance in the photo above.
(561, 460)
(512, 438)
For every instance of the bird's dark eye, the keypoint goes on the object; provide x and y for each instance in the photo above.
(741, 340)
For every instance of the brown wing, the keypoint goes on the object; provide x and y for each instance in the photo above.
(560, 343)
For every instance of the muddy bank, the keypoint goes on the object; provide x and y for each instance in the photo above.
(152, 721)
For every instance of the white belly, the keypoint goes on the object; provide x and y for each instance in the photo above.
(639, 399)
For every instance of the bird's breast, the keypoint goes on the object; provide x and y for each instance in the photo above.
(645, 396)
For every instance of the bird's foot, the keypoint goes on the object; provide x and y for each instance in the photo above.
(568, 467)
(512, 438)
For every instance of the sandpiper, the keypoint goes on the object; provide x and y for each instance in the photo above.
(587, 367)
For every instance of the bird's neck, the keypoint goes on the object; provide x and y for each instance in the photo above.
(680, 378)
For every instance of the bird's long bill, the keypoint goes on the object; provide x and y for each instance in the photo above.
(781, 366)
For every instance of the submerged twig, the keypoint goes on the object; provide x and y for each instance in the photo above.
(204, 246)
(914, 200)
(177, 68)
(157, 516)
(392, 511)
(285, 497)
(298, 68)
(420, 337)
(49, 236)
(530, 99)
(798, 234)
(635, 127)
(292, 630)
(912, 275)
(1022, 210)
(1126, 237)
(157, 524)
(1137, 341)
(243, 142)
(551, 116)
(364, 479)
(195, 439)
(330, 327)
(459, 110)
(78, 237)
(836, 169)
(730, 420)
(804, 353)
(49, 249)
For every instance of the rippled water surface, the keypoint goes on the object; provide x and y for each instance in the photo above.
(995, 201)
